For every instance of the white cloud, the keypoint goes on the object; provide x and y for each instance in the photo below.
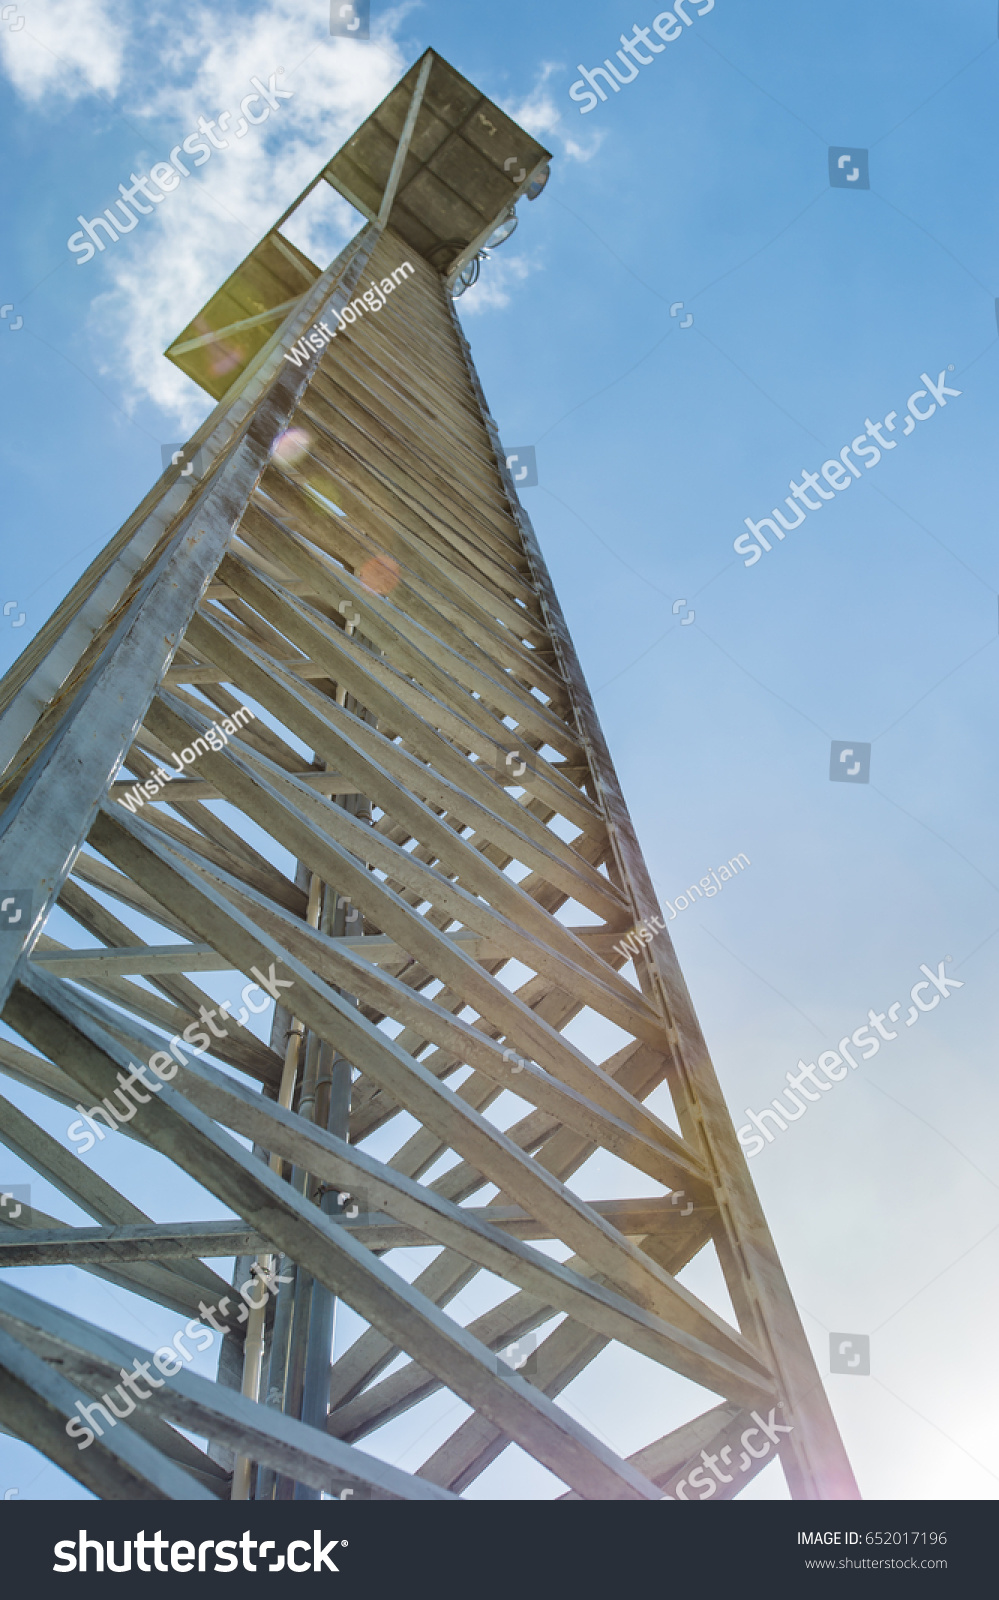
(65, 48)
(151, 284)
(163, 272)
(497, 277)
(538, 114)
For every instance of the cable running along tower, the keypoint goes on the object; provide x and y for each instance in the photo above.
(394, 810)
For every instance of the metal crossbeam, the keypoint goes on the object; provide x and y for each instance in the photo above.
(163, 1241)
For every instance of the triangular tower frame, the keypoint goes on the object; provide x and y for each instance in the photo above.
(352, 565)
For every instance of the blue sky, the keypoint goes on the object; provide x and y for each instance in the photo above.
(705, 181)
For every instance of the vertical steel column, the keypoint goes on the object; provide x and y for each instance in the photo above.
(332, 1111)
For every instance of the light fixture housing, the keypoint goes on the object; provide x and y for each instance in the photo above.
(536, 185)
(503, 232)
(468, 275)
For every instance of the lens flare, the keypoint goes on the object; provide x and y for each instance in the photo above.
(380, 574)
(291, 446)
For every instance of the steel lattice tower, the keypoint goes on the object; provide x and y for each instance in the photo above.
(351, 565)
